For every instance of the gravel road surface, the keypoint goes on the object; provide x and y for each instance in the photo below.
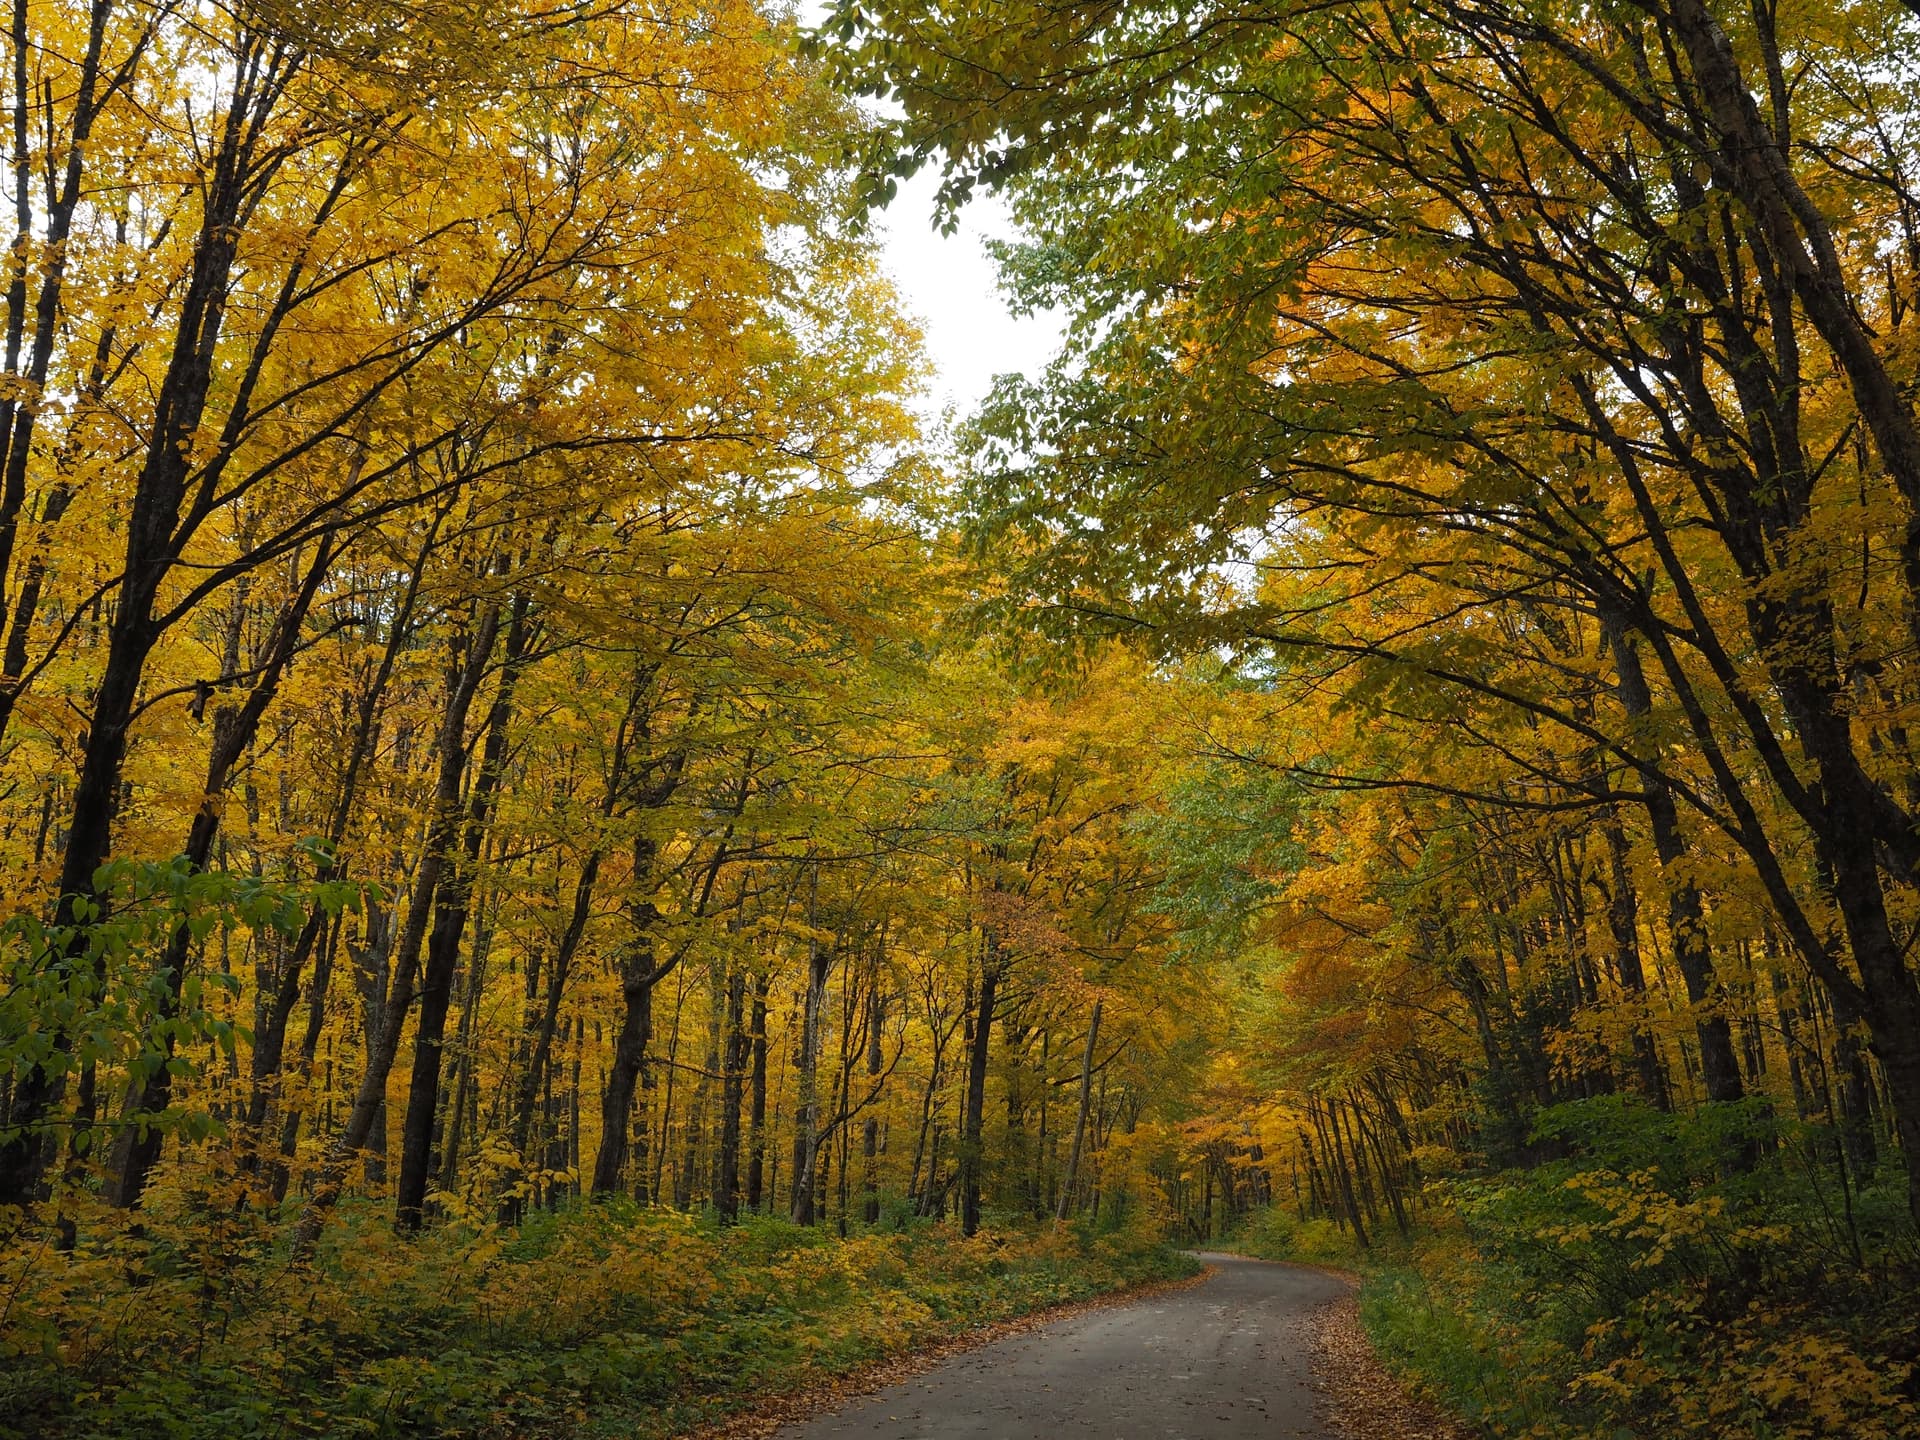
(1223, 1360)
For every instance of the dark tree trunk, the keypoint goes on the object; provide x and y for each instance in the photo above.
(757, 1122)
(637, 979)
(870, 1136)
(1080, 1112)
(137, 1148)
(547, 1019)
(452, 1125)
(369, 1101)
(1337, 1163)
(1719, 1063)
(973, 1118)
(154, 538)
(1623, 923)
(726, 1181)
(443, 946)
(309, 1049)
(269, 1039)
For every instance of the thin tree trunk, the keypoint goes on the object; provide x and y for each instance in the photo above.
(870, 1138)
(807, 1111)
(369, 1102)
(1337, 1163)
(1623, 922)
(309, 1048)
(443, 947)
(453, 1126)
(637, 979)
(726, 1188)
(270, 1038)
(138, 1147)
(1720, 1066)
(1080, 1114)
(757, 1123)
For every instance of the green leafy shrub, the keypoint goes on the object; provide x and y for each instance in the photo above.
(1647, 1285)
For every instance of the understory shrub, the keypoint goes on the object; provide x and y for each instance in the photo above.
(1648, 1285)
(603, 1319)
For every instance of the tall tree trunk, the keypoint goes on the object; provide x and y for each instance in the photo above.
(269, 1038)
(45, 237)
(637, 979)
(806, 1119)
(838, 1129)
(1788, 1010)
(453, 1123)
(1891, 1014)
(155, 536)
(443, 946)
(726, 1181)
(1337, 1163)
(973, 1118)
(1370, 1135)
(1080, 1113)
(1623, 923)
(1719, 1064)
(757, 1122)
(870, 1137)
(369, 1102)
(309, 1049)
(137, 1148)
(696, 1131)
(546, 1020)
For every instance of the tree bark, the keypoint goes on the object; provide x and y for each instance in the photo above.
(137, 1148)
(451, 908)
(269, 1039)
(806, 1119)
(973, 1119)
(153, 541)
(726, 1182)
(1080, 1112)
(637, 979)
(1719, 1063)
(757, 1122)
(369, 1102)
(870, 1136)
(1623, 923)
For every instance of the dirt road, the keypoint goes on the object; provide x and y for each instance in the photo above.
(1223, 1360)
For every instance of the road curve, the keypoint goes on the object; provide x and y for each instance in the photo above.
(1223, 1360)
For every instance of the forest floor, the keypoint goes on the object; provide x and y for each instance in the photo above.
(1251, 1349)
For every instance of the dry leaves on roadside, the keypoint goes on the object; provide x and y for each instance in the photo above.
(1360, 1398)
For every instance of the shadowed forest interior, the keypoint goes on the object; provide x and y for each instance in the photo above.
(575, 862)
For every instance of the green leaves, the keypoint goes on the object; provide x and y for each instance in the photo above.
(1225, 839)
(94, 989)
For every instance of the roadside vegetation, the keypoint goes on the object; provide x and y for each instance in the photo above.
(596, 1320)
(1627, 1286)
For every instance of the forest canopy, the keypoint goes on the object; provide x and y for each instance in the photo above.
(524, 754)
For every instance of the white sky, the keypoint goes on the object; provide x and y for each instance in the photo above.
(948, 283)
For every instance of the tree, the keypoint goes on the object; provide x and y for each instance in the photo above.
(1499, 324)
